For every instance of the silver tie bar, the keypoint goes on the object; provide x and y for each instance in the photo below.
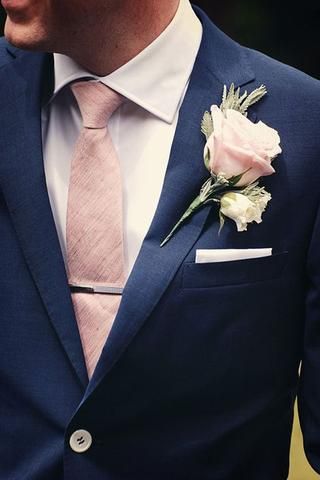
(103, 289)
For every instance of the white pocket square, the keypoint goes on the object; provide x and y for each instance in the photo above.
(230, 254)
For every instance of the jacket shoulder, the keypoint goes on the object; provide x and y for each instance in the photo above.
(6, 52)
(227, 60)
(282, 78)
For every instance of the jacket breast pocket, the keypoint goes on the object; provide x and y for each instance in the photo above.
(237, 272)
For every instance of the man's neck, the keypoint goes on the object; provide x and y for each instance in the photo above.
(121, 38)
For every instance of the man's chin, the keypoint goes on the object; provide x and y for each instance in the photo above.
(24, 37)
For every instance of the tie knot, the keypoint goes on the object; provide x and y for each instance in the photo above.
(96, 101)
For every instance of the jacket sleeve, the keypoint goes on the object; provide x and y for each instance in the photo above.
(309, 387)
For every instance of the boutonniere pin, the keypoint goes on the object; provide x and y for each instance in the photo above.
(237, 153)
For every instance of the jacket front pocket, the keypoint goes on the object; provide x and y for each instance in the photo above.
(206, 275)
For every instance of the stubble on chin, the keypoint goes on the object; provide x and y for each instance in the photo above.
(27, 35)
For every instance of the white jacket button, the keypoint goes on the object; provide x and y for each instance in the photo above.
(80, 441)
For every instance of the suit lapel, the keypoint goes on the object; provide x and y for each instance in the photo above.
(219, 61)
(23, 184)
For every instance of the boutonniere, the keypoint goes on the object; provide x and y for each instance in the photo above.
(237, 153)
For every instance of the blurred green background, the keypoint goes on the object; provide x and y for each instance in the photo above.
(286, 30)
(289, 32)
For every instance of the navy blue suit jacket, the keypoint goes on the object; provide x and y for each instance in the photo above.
(198, 377)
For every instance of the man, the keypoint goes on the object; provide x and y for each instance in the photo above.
(199, 371)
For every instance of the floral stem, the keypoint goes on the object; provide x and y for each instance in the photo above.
(195, 205)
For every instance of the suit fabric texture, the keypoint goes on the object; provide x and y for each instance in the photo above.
(198, 377)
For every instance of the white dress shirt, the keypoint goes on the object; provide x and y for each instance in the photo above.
(142, 129)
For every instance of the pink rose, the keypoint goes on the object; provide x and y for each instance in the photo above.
(237, 145)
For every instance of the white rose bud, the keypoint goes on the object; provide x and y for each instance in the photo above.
(244, 209)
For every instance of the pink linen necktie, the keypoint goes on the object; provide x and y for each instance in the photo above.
(95, 257)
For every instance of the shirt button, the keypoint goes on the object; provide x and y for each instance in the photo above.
(80, 441)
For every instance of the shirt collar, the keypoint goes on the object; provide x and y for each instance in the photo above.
(157, 77)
